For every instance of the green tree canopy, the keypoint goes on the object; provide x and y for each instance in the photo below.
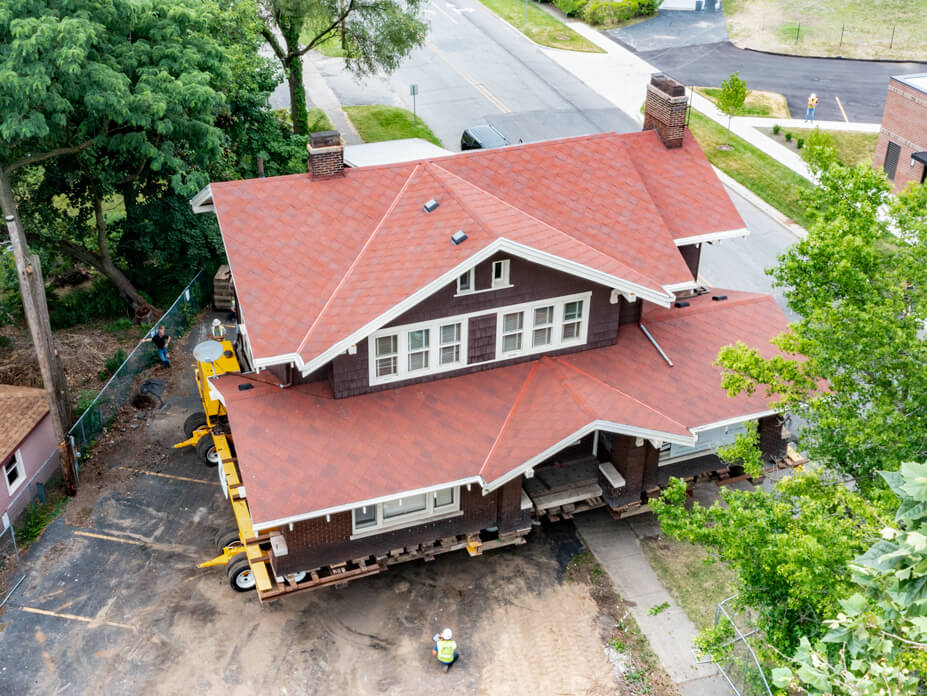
(731, 99)
(375, 34)
(853, 365)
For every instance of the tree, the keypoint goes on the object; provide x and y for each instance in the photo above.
(877, 642)
(375, 35)
(853, 365)
(134, 102)
(731, 99)
(781, 545)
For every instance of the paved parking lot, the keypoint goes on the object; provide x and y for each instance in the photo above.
(114, 602)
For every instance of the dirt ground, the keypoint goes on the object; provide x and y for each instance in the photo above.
(114, 602)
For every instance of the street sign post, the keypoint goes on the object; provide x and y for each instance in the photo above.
(413, 90)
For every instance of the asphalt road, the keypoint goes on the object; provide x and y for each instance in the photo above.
(474, 67)
(860, 85)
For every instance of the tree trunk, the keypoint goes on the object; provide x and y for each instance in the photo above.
(293, 66)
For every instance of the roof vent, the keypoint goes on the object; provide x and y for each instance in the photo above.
(719, 298)
(680, 304)
(458, 237)
(431, 205)
(245, 387)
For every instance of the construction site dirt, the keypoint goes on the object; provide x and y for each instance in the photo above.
(114, 602)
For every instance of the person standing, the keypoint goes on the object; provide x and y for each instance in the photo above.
(445, 648)
(217, 331)
(812, 105)
(161, 341)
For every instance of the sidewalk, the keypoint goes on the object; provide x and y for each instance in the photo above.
(621, 77)
(616, 545)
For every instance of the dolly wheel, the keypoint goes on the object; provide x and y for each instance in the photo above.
(241, 579)
(228, 537)
(206, 450)
(194, 421)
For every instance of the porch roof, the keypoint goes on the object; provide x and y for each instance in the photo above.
(303, 453)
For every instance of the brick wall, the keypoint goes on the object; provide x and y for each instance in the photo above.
(665, 110)
(315, 543)
(904, 122)
(530, 282)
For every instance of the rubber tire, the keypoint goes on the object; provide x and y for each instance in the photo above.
(204, 446)
(194, 421)
(227, 537)
(238, 565)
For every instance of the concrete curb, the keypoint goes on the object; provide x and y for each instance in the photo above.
(797, 55)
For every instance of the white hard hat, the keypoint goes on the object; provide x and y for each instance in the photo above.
(447, 634)
(216, 322)
(813, 95)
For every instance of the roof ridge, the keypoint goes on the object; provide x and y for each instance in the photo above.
(467, 208)
(619, 391)
(509, 415)
(547, 225)
(357, 259)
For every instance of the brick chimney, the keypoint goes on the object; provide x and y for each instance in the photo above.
(326, 154)
(665, 109)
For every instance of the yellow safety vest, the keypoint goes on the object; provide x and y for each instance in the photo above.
(812, 103)
(446, 649)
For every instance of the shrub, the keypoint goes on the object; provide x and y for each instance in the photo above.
(100, 301)
(788, 137)
(571, 8)
(799, 143)
(121, 324)
(114, 362)
(599, 13)
(776, 129)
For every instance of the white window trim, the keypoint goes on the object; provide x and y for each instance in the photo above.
(20, 465)
(429, 514)
(503, 282)
(477, 292)
(701, 449)
(471, 275)
(434, 350)
(527, 329)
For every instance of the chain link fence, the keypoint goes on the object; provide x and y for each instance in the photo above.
(124, 385)
(735, 658)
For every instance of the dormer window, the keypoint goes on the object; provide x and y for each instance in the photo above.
(500, 274)
(465, 283)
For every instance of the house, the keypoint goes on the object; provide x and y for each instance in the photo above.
(901, 151)
(28, 448)
(441, 352)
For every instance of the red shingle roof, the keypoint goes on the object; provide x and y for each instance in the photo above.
(21, 409)
(331, 256)
(300, 451)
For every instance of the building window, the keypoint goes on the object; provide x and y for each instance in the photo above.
(387, 352)
(416, 350)
(465, 283)
(500, 273)
(14, 471)
(450, 345)
(891, 159)
(512, 327)
(708, 441)
(400, 512)
(543, 326)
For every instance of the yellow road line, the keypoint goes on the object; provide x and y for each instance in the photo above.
(490, 97)
(841, 109)
(111, 538)
(75, 617)
(170, 476)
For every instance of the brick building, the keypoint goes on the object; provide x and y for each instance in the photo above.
(902, 148)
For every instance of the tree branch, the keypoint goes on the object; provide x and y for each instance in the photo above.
(326, 32)
(35, 159)
(274, 44)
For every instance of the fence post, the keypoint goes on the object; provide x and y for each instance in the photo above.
(892, 42)
(798, 32)
(842, 29)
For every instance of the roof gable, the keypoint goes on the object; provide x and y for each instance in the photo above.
(21, 409)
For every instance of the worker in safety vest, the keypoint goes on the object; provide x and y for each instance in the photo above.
(217, 330)
(445, 648)
(812, 105)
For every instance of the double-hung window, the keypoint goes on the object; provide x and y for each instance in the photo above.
(542, 326)
(401, 512)
(14, 472)
(411, 351)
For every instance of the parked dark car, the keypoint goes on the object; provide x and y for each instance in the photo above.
(482, 138)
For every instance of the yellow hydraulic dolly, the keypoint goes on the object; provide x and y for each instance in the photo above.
(213, 358)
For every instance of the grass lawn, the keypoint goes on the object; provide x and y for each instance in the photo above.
(331, 47)
(773, 182)
(696, 585)
(852, 148)
(541, 27)
(318, 121)
(850, 28)
(377, 123)
(771, 104)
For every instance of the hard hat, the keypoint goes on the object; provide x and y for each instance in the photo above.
(447, 634)
(216, 322)
(813, 95)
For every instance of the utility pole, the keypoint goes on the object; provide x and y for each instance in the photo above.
(32, 289)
